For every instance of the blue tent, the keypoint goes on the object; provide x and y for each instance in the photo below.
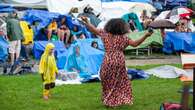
(175, 41)
(3, 49)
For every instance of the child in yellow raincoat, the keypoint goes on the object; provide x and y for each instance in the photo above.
(48, 70)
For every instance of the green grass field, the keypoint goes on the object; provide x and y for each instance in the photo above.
(25, 93)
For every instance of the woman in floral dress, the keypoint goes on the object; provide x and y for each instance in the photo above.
(116, 86)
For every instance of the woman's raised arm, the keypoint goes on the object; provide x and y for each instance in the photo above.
(91, 28)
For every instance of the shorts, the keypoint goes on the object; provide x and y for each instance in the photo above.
(15, 46)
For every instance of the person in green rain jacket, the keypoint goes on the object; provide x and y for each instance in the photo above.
(14, 33)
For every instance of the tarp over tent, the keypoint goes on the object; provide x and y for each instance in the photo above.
(93, 57)
(45, 17)
(3, 49)
(175, 41)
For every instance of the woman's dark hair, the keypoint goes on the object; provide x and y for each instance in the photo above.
(116, 26)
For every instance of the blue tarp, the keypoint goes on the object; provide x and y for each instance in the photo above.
(3, 49)
(93, 57)
(137, 74)
(60, 50)
(175, 41)
(45, 17)
(145, 1)
(176, 3)
(6, 8)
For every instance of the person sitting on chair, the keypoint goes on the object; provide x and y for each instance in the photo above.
(52, 28)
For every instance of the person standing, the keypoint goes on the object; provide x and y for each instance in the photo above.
(14, 33)
(48, 70)
(116, 86)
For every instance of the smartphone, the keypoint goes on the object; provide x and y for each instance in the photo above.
(150, 30)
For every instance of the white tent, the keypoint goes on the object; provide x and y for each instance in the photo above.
(25, 3)
(64, 6)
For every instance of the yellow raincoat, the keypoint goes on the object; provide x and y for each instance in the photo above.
(47, 65)
(27, 33)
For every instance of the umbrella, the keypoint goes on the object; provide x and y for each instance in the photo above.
(181, 11)
(162, 24)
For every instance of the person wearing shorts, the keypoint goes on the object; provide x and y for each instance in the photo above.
(14, 33)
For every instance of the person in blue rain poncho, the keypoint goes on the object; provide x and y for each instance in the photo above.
(76, 63)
